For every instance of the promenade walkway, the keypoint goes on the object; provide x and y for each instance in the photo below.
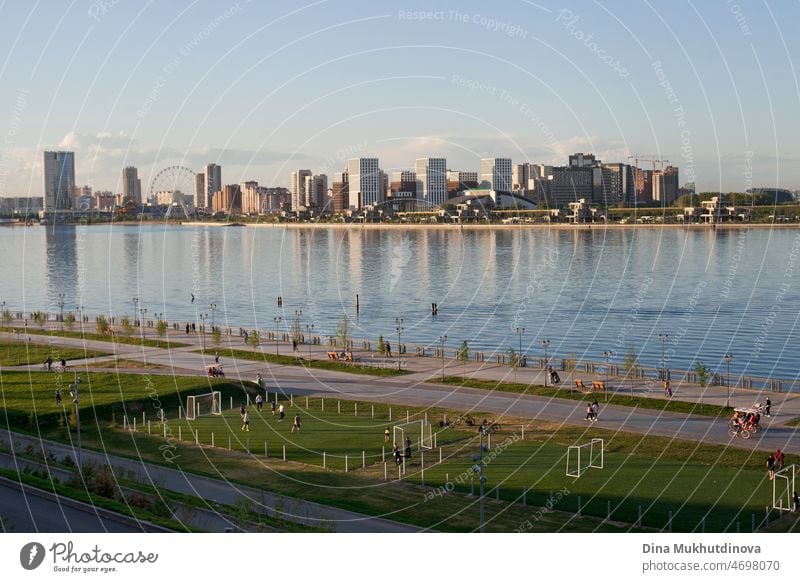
(414, 388)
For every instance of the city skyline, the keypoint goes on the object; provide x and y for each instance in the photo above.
(262, 89)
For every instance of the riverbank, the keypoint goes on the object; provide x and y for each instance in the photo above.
(481, 227)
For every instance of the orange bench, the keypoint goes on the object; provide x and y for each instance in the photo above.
(599, 386)
(579, 385)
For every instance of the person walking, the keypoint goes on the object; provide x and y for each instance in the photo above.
(779, 459)
(49, 363)
(398, 457)
(242, 410)
(245, 335)
(796, 501)
(259, 402)
(667, 389)
(386, 434)
(58, 396)
(595, 410)
(216, 358)
(187, 329)
(296, 423)
(281, 413)
(767, 407)
(589, 412)
(246, 421)
(771, 466)
(408, 448)
(388, 349)
(272, 405)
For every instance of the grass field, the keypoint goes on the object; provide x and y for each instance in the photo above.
(298, 360)
(694, 481)
(568, 392)
(13, 353)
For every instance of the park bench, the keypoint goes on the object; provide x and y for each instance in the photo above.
(599, 386)
(579, 385)
(333, 356)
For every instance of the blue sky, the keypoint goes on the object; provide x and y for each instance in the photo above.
(263, 88)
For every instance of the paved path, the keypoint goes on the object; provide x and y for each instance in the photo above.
(413, 390)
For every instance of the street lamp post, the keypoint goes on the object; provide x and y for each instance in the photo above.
(442, 340)
(296, 327)
(135, 308)
(607, 355)
(663, 338)
(213, 307)
(277, 321)
(80, 314)
(73, 392)
(481, 477)
(143, 311)
(399, 322)
(203, 317)
(309, 332)
(728, 358)
(545, 343)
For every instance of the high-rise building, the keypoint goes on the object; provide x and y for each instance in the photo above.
(59, 180)
(315, 189)
(643, 180)
(431, 181)
(200, 190)
(458, 181)
(228, 200)
(521, 176)
(665, 185)
(617, 184)
(131, 186)
(366, 186)
(251, 197)
(299, 196)
(496, 174)
(340, 192)
(213, 182)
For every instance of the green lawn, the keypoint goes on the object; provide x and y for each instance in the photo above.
(569, 392)
(133, 339)
(265, 356)
(692, 480)
(13, 353)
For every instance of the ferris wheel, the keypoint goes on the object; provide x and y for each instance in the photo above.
(170, 186)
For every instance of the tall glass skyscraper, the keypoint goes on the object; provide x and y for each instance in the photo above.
(59, 180)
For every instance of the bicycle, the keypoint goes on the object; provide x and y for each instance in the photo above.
(738, 432)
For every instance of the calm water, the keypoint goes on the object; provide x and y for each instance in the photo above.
(587, 291)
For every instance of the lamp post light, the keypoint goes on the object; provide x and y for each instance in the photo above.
(277, 321)
(728, 358)
(73, 392)
(309, 332)
(608, 354)
(545, 343)
(143, 311)
(135, 308)
(663, 338)
(479, 468)
(61, 307)
(203, 317)
(213, 308)
(80, 314)
(399, 322)
(442, 340)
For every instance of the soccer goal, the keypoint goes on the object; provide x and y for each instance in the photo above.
(585, 456)
(419, 431)
(783, 487)
(203, 404)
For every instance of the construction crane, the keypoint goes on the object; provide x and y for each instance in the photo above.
(645, 158)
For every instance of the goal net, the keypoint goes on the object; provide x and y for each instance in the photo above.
(585, 456)
(783, 487)
(203, 404)
(418, 431)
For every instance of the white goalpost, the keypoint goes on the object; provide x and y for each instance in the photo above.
(585, 456)
(203, 404)
(783, 487)
(419, 431)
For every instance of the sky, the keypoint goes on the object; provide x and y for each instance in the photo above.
(263, 88)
